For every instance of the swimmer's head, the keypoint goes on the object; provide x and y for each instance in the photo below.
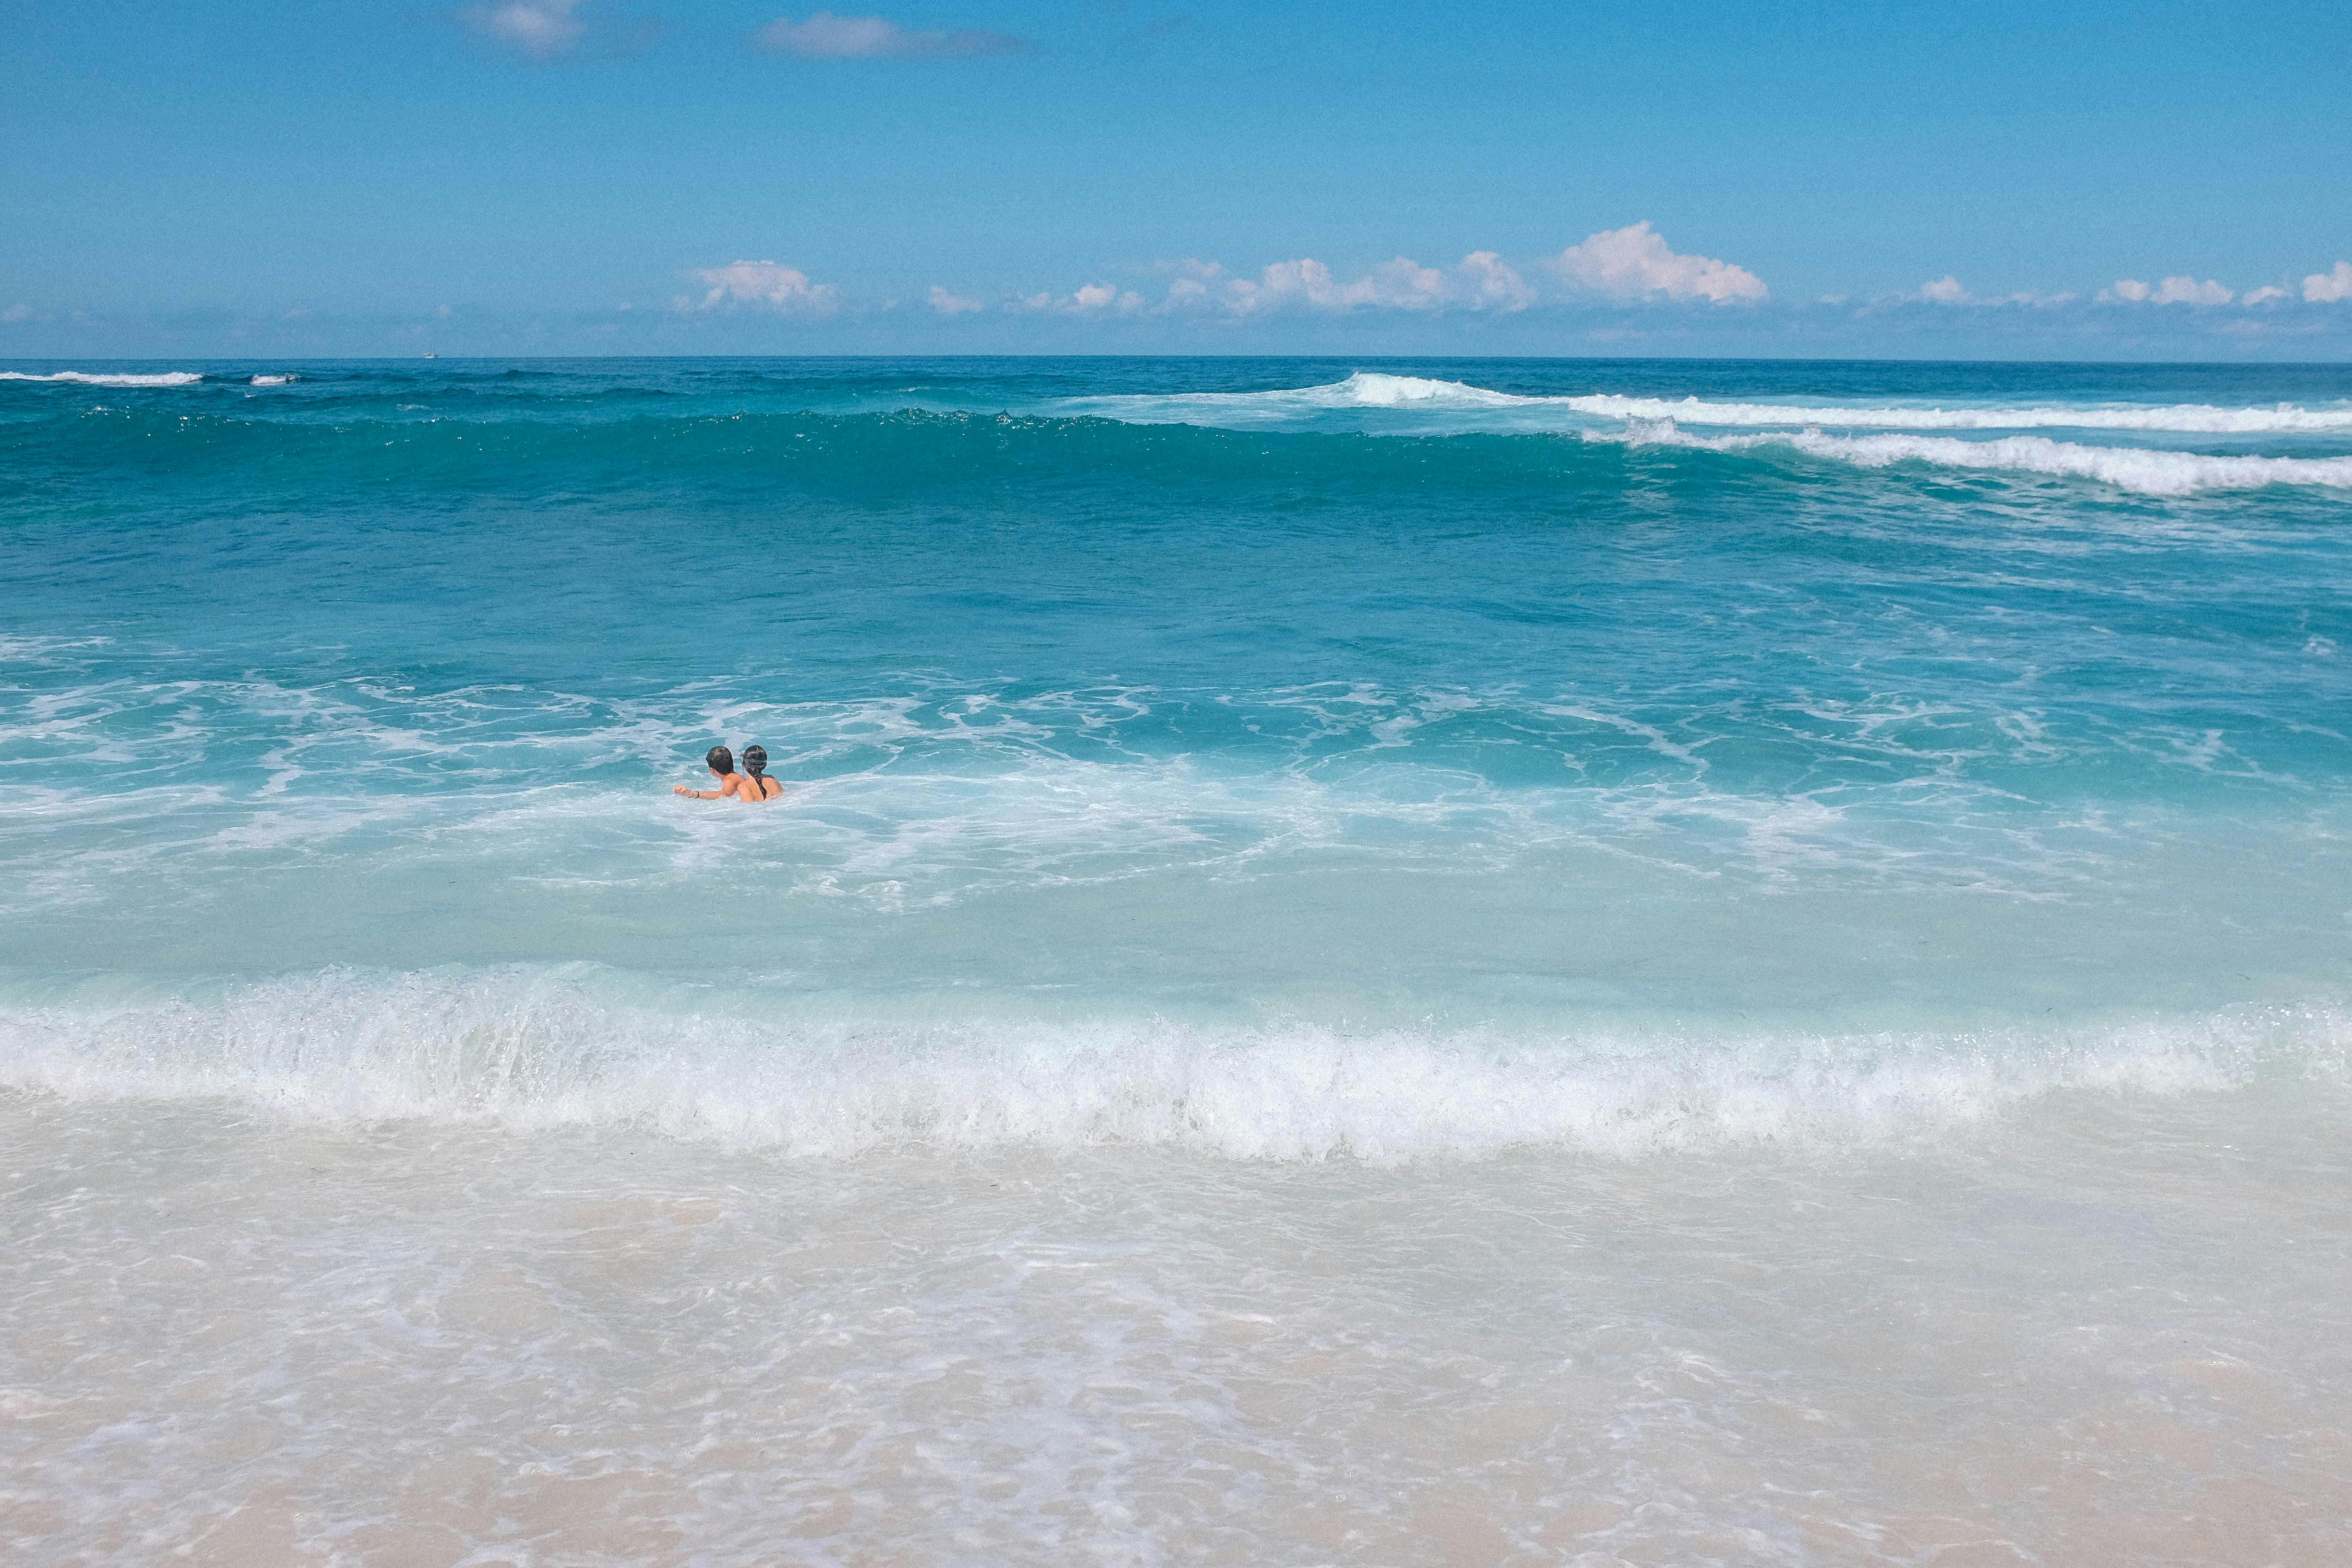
(755, 760)
(721, 760)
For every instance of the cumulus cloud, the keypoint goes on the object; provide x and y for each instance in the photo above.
(1308, 284)
(2328, 287)
(784, 289)
(948, 303)
(1094, 300)
(2188, 292)
(1628, 263)
(2169, 291)
(1480, 281)
(1947, 291)
(1635, 261)
(825, 36)
(536, 27)
(2262, 295)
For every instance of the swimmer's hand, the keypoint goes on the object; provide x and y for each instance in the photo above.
(682, 789)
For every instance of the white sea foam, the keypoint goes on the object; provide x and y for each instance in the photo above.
(2186, 418)
(539, 1049)
(2087, 1337)
(273, 381)
(1365, 389)
(2138, 469)
(109, 379)
(1374, 390)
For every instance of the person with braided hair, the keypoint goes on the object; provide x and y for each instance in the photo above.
(757, 786)
(753, 786)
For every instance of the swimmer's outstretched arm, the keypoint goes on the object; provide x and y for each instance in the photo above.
(726, 788)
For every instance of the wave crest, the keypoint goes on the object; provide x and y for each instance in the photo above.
(1374, 389)
(108, 378)
(536, 1048)
(2196, 419)
(2138, 469)
(1364, 389)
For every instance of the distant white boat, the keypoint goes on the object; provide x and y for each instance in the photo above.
(432, 356)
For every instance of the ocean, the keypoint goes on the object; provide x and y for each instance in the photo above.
(1454, 962)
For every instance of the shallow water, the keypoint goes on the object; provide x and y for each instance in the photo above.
(1663, 961)
(2107, 1331)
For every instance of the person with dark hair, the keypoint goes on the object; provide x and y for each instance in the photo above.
(721, 763)
(753, 786)
(757, 786)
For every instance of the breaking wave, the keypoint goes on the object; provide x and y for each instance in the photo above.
(1374, 390)
(525, 1050)
(2138, 469)
(2200, 419)
(108, 379)
(1365, 389)
(1344, 440)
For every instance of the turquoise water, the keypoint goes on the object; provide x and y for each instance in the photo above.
(1529, 725)
(1448, 963)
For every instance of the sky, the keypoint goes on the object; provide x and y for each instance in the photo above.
(1902, 178)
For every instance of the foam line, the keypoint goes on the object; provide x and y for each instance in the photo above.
(99, 379)
(537, 1049)
(2146, 472)
(1365, 389)
(1370, 390)
(2187, 418)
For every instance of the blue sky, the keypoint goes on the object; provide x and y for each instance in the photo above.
(564, 176)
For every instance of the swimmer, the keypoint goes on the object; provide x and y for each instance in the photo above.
(757, 786)
(721, 763)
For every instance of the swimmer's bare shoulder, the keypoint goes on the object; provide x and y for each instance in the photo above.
(721, 763)
(757, 788)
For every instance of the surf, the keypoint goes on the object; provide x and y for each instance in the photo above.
(108, 378)
(2143, 471)
(1377, 390)
(531, 1050)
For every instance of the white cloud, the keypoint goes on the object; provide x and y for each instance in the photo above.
(1947, 291)
(1485, 283)
(1629, 262)
(1399, 285)
(951, 304)
(2169, 291)
(2188, 292)
(1480, 281)
(17, 313)
(2327, 288)
(1094, 300)
(1635, 260)
(825, 36)
(2262, 295)
(785, 290)
(539, 27)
